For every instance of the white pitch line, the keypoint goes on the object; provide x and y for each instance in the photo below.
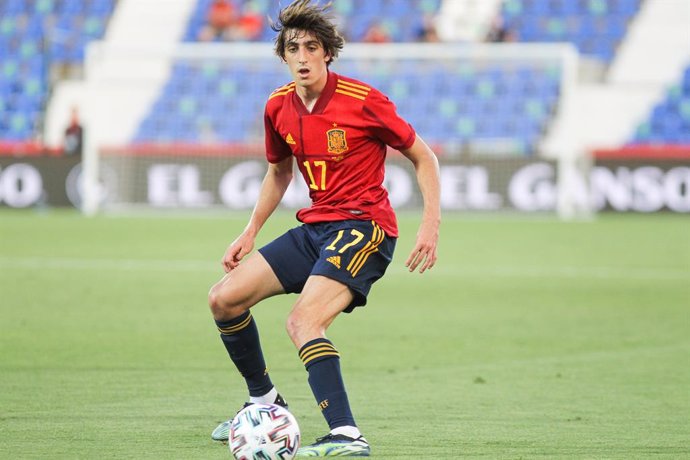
(191, 265)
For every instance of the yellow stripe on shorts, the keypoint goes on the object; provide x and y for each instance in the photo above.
(363, 254)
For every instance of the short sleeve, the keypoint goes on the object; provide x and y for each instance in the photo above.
(276, 148)
(384, 122)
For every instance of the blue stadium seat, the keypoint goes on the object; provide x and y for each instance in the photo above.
(446, 106)
(669, 120)
(13, 7)
(402, 18)
(25, 62)
(596, 27)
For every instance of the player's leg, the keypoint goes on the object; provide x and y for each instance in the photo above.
(230, 300)
(323, 299)
(353, 255)
(248, 284)
(283, 265)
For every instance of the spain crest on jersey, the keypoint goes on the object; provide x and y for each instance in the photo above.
(337, 143)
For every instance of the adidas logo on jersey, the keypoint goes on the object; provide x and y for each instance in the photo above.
(289, 139)
(335, 260)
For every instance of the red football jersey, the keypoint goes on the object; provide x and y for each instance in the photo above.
(340, 148)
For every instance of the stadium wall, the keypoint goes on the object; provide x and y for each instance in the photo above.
(641, 180)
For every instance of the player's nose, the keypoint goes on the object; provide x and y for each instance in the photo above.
(302, 55)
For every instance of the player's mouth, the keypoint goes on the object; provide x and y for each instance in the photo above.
(303, 72)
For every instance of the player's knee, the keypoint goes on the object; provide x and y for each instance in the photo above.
(292, 326)
(214, 300)
(223, 303)
(301, 328)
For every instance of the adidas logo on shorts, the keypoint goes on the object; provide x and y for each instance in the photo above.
(335, 260)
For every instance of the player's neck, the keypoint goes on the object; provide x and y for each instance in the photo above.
(310, 94)
(310, 101)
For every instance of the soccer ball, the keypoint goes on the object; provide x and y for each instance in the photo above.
(264, 432)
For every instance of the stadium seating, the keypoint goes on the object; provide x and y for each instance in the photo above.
(33, 36)
(596, 27)
(403, 18)
(669, 121)
(461, 107)
(215, 103)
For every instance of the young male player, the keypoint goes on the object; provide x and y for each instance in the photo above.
(337, 131)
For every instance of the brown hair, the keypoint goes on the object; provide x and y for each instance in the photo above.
(302, 15)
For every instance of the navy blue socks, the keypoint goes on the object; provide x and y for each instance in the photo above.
(322, 361)
(241, 338)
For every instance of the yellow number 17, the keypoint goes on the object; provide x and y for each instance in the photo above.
(356, 233)
(312, 183)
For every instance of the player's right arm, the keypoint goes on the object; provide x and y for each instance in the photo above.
(273, 188)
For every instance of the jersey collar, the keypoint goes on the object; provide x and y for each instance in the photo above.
(324, 98)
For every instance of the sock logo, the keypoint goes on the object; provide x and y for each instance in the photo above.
(335, 260)
(323, 404)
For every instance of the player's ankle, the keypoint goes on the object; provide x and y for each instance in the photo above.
(348, 430)
(268, 398)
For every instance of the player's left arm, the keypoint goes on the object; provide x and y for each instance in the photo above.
(425, 163)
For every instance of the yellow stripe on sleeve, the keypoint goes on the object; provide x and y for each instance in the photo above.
(280, 93)
(347, 93)
(352, 90)
(354, 85)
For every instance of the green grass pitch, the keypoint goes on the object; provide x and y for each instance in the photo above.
(531, 338)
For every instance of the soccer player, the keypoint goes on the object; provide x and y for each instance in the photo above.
(337, 131)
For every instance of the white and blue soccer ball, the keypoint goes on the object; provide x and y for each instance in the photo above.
(264, 432)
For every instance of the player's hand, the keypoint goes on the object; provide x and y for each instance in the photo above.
(239, 248)
(424, 253)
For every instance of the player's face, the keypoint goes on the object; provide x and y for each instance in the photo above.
(306, 59)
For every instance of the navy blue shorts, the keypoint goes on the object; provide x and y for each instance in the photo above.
(354, 252)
